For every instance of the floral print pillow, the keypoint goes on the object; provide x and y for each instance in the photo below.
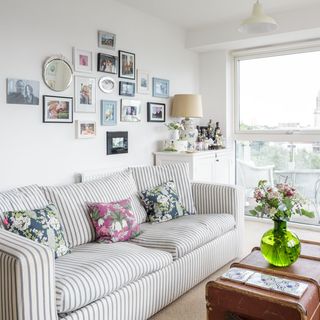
(162, 203)
(40, 225)
(114, 221)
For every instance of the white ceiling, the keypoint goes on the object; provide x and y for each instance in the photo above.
(192, 14)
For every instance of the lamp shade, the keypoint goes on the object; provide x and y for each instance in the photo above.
(258, 22)
(187, 106)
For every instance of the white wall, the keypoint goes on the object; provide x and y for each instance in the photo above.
(30, 31)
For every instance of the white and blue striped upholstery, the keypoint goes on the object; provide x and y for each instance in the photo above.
(151, 176)
(95, 270)
(27, 283)
(71, 202)
(24, 198)
(185, 234)
(141, 299)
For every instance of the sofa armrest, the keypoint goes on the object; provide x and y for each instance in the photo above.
(27, 285)
(218, 198)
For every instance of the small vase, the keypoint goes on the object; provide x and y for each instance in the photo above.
(174, 134)
(279, 246)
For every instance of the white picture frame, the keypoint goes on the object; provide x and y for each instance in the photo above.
(85, 94)
(130, 110)
(143, 82)
(82, 60)
(107, 84)
(86, 129)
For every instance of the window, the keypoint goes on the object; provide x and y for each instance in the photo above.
(278, 91)
(277, 120)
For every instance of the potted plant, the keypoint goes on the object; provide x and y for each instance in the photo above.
(174, 130)
(279, 246)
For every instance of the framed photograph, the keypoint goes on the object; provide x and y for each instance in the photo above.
(106, 40)
(86, 129)
(130, 110)
(156, 112)
(160, 88)
(127, 88)
(143, 82)
(23, 91)
(117, 142)
(107, 63)
(57, 109)
(82, 60)
(108, 113)
(85, 94)
(107, 85)
(127, 65)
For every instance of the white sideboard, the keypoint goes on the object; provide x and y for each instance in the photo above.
(215, 166)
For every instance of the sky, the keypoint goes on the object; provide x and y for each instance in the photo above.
(280, 89)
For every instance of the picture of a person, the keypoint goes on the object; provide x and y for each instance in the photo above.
(29, 96)
(17, 96)
(85, 94)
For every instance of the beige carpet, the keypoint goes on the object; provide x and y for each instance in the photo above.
(192, 305)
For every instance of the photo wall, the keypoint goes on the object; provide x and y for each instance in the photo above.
(76, 83)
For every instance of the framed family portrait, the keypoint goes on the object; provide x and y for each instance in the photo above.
(143, 82)
(57, 109)
(106, 40)
(127, 88)
(82, 60)
(127, 65)
(160, 88)
(108, 112)
(85, 129)
(21, 91)
(107, 85)
(130, 110)
(117, 142)
(107, 63)
(85, 94)
(156, 112)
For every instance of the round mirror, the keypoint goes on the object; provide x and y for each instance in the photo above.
(57, 73)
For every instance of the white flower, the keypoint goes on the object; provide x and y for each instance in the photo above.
(162, 199)
(54, 223)
(21, 223)
(100, 222)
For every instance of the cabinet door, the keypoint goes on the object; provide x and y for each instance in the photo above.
(222, 169)
(203, 169)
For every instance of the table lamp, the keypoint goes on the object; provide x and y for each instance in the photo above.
(187, 106)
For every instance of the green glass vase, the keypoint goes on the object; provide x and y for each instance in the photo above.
(279, 246)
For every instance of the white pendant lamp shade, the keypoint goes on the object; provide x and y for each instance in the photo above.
(258, 22)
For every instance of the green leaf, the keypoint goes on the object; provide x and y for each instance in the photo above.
(253, 212)
(258, 208)
(306, 213)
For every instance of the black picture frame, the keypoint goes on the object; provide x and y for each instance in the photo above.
(127, 88)
(54, 103)
(117, 142)
(127, 70)
(159, 115)
(107, 63)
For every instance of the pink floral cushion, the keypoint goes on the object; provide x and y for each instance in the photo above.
(114, 221)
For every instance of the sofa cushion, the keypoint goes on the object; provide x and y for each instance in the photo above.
(183, 235)
(152, 176)
(39, 225)
(114, 221)
(94, 270)
(24, 198)
(72, 203)
(162, 203)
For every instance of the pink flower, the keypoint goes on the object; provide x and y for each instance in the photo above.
(6, 221)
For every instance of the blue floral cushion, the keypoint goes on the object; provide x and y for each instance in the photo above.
(40, 225)
(162, 203)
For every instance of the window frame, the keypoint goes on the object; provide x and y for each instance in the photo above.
(296, 135)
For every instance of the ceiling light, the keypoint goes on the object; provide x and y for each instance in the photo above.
(258, 22)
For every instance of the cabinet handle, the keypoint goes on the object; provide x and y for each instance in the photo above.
(217, 160)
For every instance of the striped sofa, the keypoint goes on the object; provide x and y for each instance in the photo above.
(120, 281)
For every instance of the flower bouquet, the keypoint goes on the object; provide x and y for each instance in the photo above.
(279, 246)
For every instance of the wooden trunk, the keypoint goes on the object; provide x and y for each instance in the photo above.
(228, 300)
